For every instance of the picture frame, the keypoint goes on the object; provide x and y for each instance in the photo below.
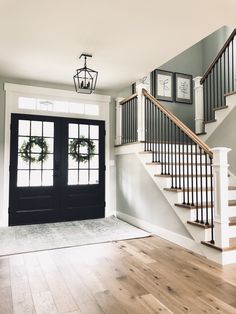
(183, 88)
(164, 85)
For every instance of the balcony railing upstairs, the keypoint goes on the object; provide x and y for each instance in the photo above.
(129, 126)
(219, 79)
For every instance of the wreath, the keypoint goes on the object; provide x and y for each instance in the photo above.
(74, 149)
(27, 147)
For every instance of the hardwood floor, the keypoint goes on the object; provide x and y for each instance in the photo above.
(139, 276)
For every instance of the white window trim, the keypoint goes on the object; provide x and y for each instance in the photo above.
(13, 92)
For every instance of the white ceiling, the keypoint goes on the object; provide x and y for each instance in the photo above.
(42, 39)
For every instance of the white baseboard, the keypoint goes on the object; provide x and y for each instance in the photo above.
(171, 236)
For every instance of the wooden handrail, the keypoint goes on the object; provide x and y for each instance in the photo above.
(218, 56)
(179, 124)
(128, 98)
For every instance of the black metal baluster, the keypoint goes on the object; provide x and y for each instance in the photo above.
(212, 200)
(156, 129)
(206, 173)
(228, 69)
(183, 165)
(163, 143)
(179, 154)
(221, 84)
(233, 89)
(192, 173)
(201, 187)
(168, 143)
(172, 166)
(161, 139)
(188, 176)
(213, 87)
(175, 135)
(145, 131)
(196, 188)
(159, 133)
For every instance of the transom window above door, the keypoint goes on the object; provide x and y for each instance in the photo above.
(58, 106)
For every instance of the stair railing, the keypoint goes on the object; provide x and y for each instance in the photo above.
(129, 118)
(183, 157)
(219, 79)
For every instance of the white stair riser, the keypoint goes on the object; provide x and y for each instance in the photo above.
(180, 158)
(187, 182)
(171, 147)
(232, 231)
(202, 214)
(232, 194)
(232, 211)
(193, 197)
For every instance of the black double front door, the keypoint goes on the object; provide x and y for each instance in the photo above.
(57, 169)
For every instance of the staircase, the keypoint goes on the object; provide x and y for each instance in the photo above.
(193, 178)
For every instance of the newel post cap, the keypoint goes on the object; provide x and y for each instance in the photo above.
(220, 155)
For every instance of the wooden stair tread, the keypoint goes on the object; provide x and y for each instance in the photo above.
(232, 221)
(210, 121)
(231, 187)
(220, 108)
(231, 247)
(201, 133)
(232, 202)
(181, 175)
(189, 206)
(169, 152)
(194, 189)
(198, 224)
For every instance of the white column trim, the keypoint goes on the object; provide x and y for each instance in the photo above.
(221, 214)
(199, 105)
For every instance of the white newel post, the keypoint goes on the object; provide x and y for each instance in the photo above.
(220, 173)
(199, 105)
(118, 121)
(141, 115)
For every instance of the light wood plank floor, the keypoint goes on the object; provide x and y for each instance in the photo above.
(148, 275)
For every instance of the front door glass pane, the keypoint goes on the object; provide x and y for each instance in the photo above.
(83, 154)
(35, 161)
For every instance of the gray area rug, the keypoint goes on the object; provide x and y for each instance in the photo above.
(22, 239)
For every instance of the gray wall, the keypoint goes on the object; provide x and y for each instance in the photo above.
(188, 62)
(138, 196)
(212, 44)
(225, 136)
(195, 61)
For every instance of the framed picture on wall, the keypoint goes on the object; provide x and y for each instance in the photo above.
(183, 88)
(164, 85)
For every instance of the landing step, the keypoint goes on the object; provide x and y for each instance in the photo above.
(220, 108)
(198, 224)
(189, 206)
(231, 247)
(210, 121)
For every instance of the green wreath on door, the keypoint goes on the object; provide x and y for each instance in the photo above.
(74, 149)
